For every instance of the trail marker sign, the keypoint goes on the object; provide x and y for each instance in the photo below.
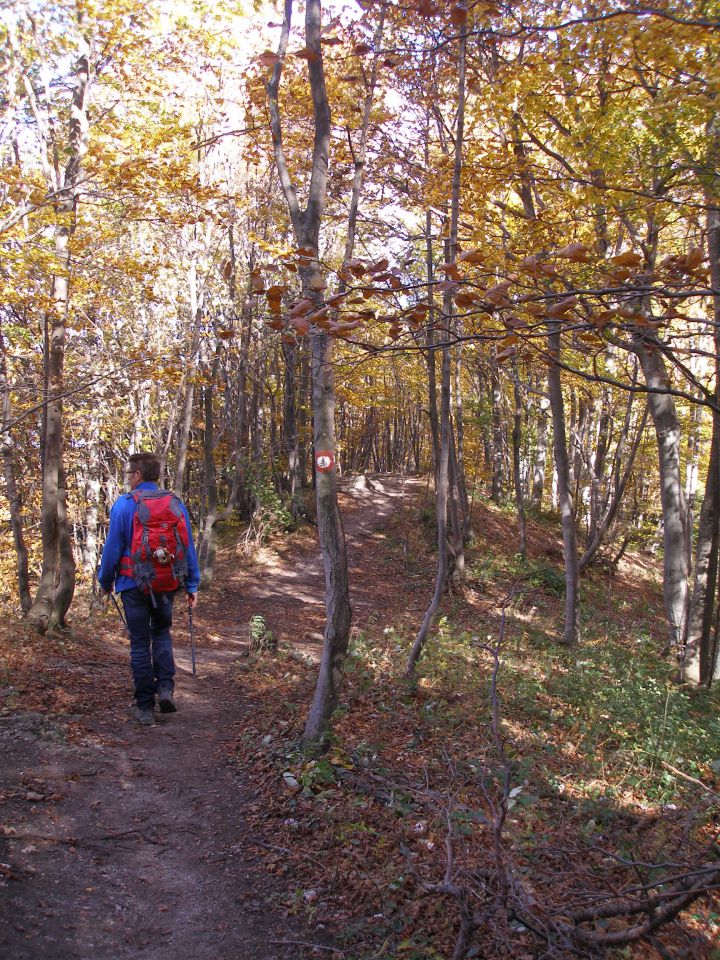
(324, 460)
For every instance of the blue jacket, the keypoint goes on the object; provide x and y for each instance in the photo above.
(119, 539)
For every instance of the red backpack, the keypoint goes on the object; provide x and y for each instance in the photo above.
(158, 550)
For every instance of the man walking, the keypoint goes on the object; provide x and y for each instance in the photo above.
(148, 556)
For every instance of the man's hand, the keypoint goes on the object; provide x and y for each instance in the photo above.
(191, 599)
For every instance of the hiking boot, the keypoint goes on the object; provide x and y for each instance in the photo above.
(144, 716)
(165, 700)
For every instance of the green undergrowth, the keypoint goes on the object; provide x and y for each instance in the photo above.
(606, 758)
(608, 762)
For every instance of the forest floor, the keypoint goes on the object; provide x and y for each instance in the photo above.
(212, 834)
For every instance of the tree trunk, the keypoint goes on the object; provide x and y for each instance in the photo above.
(699, 654)
(498, 435)
(306, 228)
(517, 478)
(290, 427)
(540, 457)
(11, 489)
(667, 429)
(207, 545)
(57, 579)
(571, 629)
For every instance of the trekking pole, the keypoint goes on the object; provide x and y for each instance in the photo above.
(192, 639)
(120, 614)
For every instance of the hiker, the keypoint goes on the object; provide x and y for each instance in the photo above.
(147, 580)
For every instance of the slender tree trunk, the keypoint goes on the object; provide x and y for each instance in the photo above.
(290, 427)
(441, 512)
(605, 522)
(443, 493)
(667, 430)
(571, 630)
(92, 497)
(57, 579)
(207, 546)
(306, 228)
(540, 455)
(697, 663)
(186, 419)
(517, 455)
(498, 435)
(11, 488)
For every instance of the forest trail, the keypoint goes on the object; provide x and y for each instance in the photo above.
(119, 841)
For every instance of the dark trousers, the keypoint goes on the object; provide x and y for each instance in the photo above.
(151, 652)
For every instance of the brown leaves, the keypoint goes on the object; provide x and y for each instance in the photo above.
(305, 53)
(269, 59)
(471, 256)
(576, 252)
(497, 295)
(562, 307)
(627, 259)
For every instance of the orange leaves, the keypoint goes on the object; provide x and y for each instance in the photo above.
(562, 307)
(302, 307)
(497, 295)
(459, 16)
(426, 8)
(257, 284)
(576, 252)
(301, 325)
(276, 291)
(379, 266)
(305, 53)
(451, 271)
(627, 259)
(471, 256)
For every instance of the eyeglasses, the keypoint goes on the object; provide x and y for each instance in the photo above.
(131, 472)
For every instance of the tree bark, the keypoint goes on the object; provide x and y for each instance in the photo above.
(306, 228)
(57, 579)
(571, 630)
(667, 429)
(699, 661)
(11, 488)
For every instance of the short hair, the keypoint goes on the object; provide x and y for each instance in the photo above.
(147, 463)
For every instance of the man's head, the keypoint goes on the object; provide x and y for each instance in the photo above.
(142, 466)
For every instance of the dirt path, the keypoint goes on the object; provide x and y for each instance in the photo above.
(129, 841)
